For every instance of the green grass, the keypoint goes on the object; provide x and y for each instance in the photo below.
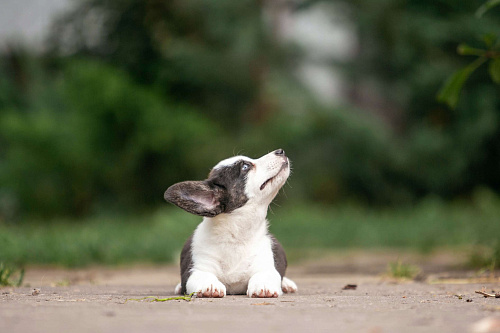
(430, 225)
(400, 270)
(100, 240)
(159, 237)
(10, 276)
(485, 258)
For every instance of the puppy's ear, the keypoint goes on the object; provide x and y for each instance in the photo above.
(196, 197)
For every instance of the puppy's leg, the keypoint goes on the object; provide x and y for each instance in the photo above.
(178, 289)
(265, 284)
(288, 286)
(205, 284)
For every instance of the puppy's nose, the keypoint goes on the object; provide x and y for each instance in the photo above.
(279, 152)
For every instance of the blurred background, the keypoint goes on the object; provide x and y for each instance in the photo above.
(106, 103)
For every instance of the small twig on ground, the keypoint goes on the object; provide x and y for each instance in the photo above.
(156, 299)
(497, 295)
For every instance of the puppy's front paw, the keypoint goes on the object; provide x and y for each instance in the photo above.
(215, 289)
(265, 285)
(178, 289)
(205, 285)
(288, 286)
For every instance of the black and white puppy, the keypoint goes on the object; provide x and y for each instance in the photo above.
(231, 250)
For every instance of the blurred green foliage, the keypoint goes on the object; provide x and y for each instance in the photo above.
(409, 48)
(489, 54)
(94, 136)
(214, 54)
(135, 95)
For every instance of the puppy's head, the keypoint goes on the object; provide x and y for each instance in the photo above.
(232, 184)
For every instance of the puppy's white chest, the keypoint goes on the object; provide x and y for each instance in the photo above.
(236, 266)
(232, 261)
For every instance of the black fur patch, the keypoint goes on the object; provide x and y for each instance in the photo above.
(233, 179)
(186, 263)
(222, 192)
(280, 262)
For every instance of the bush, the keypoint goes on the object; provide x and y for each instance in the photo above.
(93, 139)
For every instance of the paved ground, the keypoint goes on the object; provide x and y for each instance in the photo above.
(93, 300)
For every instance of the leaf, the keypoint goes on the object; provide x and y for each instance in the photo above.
(450, 91)
(350, 287)
(486, 6)
(489, 39)
(464, 49)
(494, 70)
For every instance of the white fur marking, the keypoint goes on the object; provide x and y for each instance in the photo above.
(230, 161)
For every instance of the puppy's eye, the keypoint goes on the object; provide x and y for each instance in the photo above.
(245, 167)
